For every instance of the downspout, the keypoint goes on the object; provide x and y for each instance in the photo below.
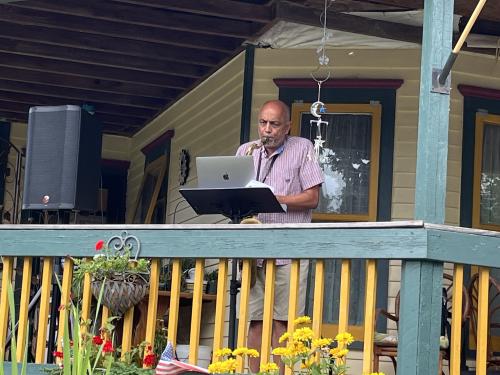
(246, 105)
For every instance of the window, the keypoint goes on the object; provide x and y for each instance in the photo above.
(486, 190)
(349, 159)
(149, 209)
(151, 203)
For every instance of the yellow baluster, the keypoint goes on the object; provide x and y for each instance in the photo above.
(175, 292)
(370, 300)
(4, 302)
(154, 281)
(345, 287)
(23, 307)
(319, 290)
(65, 298)
(86, 302)
(243, 317)
(128, 322)
(293, 299)
(44, 309)
(194, 339)
(267, 316)
(456, 321)
(482, 320)
(220, 306)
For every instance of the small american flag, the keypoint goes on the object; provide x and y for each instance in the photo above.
(170, 366)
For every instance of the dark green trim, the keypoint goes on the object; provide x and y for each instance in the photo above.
(387, 99)
(4, 144)
(246, 104)
(471, 106)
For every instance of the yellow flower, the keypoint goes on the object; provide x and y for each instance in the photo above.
(229, 365)
(303, 334)
(215, 368)
(281, 351)
(344, 338)
(297, 348)
(339, 353)
(240, 351)
(375, 373)
(252, 353)
(223, 352)
(269, 368)
(302, 320)
(319, 343)
(284, 337)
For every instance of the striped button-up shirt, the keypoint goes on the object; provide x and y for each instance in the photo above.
(294, 170)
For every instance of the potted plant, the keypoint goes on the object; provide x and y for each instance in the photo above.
(212, 278)
(125, 278)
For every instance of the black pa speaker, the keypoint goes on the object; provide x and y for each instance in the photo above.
(63, 159)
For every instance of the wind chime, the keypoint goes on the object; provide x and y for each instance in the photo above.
(318, 107)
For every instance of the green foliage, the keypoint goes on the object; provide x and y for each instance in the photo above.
(90, 352)
(108, 263)
(122, 368)
(13, 346)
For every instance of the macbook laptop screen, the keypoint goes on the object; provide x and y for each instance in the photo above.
(224, 171)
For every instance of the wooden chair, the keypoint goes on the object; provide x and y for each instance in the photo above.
(493, 361)
(389, 346)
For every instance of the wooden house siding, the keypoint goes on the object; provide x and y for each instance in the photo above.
(206, 122)
(471, 69)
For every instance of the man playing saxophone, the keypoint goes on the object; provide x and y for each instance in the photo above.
(289, 166)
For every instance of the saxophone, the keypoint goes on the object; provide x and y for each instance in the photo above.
(264, 141)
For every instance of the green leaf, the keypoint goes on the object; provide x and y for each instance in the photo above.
(12, 310)
(66, 344)
(25, 355)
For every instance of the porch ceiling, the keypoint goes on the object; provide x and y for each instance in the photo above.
(131, 59)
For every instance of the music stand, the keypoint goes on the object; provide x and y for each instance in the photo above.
(235, 204)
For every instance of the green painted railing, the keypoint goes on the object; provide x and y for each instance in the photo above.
(422, 248)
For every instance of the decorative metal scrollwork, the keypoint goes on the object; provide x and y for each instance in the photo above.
(125, 241)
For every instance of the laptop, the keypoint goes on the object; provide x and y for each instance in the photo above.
(224, 171)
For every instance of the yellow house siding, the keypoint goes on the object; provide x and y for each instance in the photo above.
(393, 64)
(470, 69)
(206, 122)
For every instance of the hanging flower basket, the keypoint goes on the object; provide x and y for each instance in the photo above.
(124, 280)
(121, 292)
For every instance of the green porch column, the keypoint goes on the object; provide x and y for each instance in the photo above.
(420, 312)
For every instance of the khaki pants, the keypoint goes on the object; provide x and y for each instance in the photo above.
(281, 292)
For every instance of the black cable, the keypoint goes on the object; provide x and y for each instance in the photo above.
(175, 209)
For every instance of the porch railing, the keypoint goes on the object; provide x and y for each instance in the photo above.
(423, 248)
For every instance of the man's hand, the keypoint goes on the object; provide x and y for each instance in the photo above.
(308, 199)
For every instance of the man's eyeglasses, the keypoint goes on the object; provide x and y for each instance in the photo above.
(274, 124)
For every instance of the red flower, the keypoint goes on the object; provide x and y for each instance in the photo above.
(149, 348)
(149, 360)
(97, 340)
(108, 347)
(57, 354)
(99, 245)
